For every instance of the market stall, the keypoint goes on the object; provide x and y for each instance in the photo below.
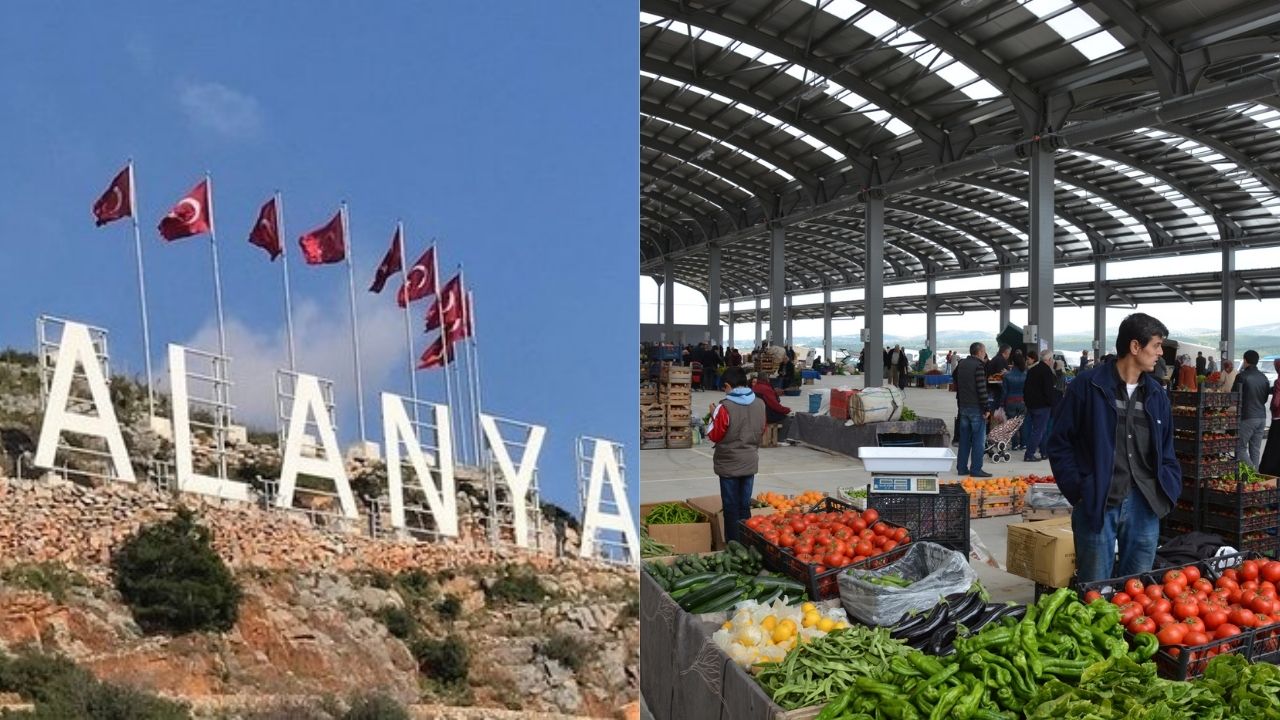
(836, 435)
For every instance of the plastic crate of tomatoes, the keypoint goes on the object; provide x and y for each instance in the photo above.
(814, 547)
(1199, 611)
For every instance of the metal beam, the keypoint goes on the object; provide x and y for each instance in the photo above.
(1006, 299)
(668, 298)
(1177, 291)
(1040, 260)
(1227, 335)
(826, 326)
(873, 300)
(931, 315)
(777, 282)
(1163, 61)
(1099, 307)
(713, 295)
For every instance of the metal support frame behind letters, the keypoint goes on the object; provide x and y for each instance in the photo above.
(321, 507)
(611, 546)
(209, 406)
(501, 520)
(420, 523)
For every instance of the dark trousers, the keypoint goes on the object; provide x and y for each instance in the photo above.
(735, 495)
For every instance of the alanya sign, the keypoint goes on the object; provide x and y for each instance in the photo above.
(76, 350)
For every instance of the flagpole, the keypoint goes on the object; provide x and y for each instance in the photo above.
(288, 305)
(463, 394)
(142, 289)
(473, 367)
(408, 325)
(355, 323)
(217, 275)
(444, 341)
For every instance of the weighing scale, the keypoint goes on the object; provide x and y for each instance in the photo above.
(919, 483)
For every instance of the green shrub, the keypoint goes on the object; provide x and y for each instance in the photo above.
(444, 660)
(568, 650)
(400, 622)
(376, 706)
(173, 581)
(61, 690)
(517, 584)
(449, 608)
(47, 577)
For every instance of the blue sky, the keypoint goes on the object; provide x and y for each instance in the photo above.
(506, 130)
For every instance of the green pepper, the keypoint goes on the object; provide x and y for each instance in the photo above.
(989, 639)
(929, 666)
(946, 703)
(1066, 668)
(1030, 647)
(836, 707)
(967, 706)
(1144, 646)
(1051, 606)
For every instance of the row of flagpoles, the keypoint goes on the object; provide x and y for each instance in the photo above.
(451, 315)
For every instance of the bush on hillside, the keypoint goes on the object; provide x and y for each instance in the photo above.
(376, 706)
(449, 608)
(400, 622)
(444, 660)
(53, 578)
(61, 690)
(568, 650)
(173, 581)
(517, 584)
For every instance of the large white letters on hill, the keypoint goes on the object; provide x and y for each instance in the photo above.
(76, 348)
(188, 480)
(307, 400)
(604, 465)
(443, 501)
(517, 479)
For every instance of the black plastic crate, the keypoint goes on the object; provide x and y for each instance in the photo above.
(1219, 445)
(1241, 497)
(1238, 524)
(1206, 468)
(1207, 424)
(941, 518)
(1184, 398)
(1190, 662)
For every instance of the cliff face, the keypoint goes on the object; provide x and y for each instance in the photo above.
(313, 620)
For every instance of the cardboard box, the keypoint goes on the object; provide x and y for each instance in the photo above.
(684, 538)
(713, 507)
(1043, 551)
(1030, 514)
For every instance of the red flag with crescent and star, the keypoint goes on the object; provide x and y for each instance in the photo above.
(266, 232)
(190, 216)
(451, 310)
(420, 281)
(389, 266)
(117, 201)
(325, 245)
(435, 356)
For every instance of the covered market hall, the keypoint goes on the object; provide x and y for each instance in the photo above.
(832, 161)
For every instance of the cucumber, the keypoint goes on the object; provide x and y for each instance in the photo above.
(722, 602)
(770, 596)
(780, 582)
(711, 590)
(691, 580)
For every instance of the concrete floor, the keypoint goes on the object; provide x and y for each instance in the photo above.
(679, 474)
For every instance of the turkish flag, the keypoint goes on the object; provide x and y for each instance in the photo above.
(325, 245)
(420, 281)
(117, 201)
(435, 356)
(389, 266)
(190, 216)
(451, 310)
(266, 232)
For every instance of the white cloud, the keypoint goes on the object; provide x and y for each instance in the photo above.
(217, 108)
(323, 343)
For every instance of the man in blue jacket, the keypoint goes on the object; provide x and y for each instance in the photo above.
(1111, 451)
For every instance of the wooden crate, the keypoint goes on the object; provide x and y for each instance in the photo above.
(648, 394)
(653, 432)
(659, 444)
(769, 438)
(675, 374)
(984, 505)
(679, 438)
(678, 416)
(682, 397)
(653, 414)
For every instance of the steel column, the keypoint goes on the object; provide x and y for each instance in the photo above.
(826, 326)
(759, 322)
(713, 294)
(777, 284)
(1227, 345)
(1099, 308)
(729, 344)
(668, 298)
(931, 315)
(1040, 260)
(790, 321)
(1006, 299)
(874, 302)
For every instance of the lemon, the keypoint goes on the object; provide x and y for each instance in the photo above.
(783, 633)
(808, 607)
(826, 624)
(811, 619)
(842, 625)
(769, 623)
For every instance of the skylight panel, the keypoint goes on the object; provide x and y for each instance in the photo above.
(650, 18)
(1099, 44)
(1045, 7)
(876, 24)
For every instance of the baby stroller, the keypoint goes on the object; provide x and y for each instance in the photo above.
(1000, 439)
(695, 373)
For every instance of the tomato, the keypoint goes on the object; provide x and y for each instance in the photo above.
(1163, 619)
(797, 526)
(864, 548)
(1269, 590)
(1176, 591)
(819, 569)
(1091, 596)
(1243, 617)
(1231, 574)
(1121, 598)
(1175, 576)
(804, 546)
(1262, 604)
(878, 541)
(771, 536)
(858, 525)
(1172, 634)
(1249, 585)
(889, 545)
(1155, 592)
(900, 535)
(1203, 585)
(1192, 572)
(1220, 595)
(833, 559)
(1184, 609)
(1195, 638)
(1226, 630)
(1249, 570)
(1133, 587)
(1141, 624)
(1271, 571)
(1214, 618)
(870, 515)
(1194, 623)
(1159, 606)
(1144, 601)
(842, 533)
(1128, 612)
(1265, 619)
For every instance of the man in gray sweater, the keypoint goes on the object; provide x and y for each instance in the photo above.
(971, 400)
(1254, 389)
(736, 425)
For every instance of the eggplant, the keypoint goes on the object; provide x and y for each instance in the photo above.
(989, 614)
(966, 614)
(943, 641)
(963, 605)
(907, 623)
(926, 629)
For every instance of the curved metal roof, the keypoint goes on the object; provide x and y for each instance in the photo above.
(769, 112)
